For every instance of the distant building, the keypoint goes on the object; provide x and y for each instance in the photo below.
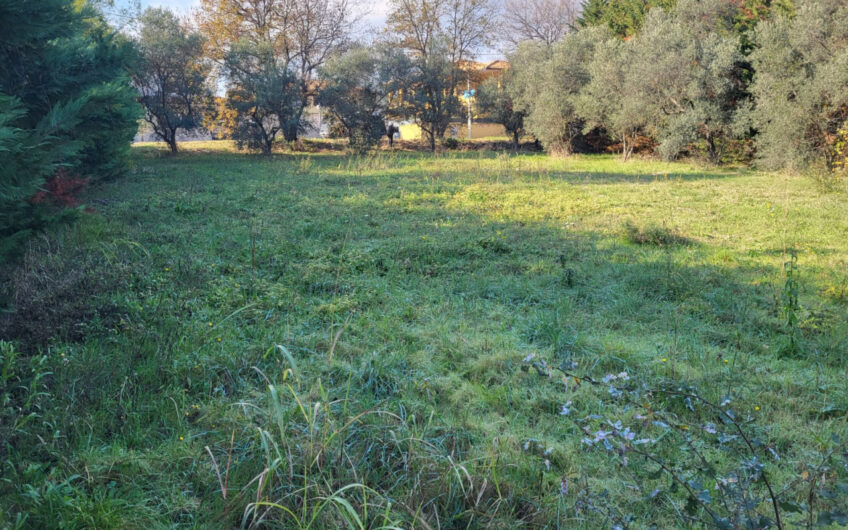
(476, 74)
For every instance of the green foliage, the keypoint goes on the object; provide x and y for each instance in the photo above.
(610, 100)
(356, 88)
(171, 75)
(545, 85)
(683, 74)
(494, 102)
(428, 92)
(264, 94)
(623, 17)
(450, 143)
(791, 306)
(65, 101)
(800, 82)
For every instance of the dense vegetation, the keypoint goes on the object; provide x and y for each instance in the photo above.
(67, 110)
(311, 340)
(697, 77)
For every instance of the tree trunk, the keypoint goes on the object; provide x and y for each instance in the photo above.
(171, 140)
(290, 133)
(515, 140)
(713, 150)
(432, 137)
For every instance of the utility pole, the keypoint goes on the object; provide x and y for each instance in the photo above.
(468, 100)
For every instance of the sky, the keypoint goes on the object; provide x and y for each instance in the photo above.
(374, 17)
(376, 10)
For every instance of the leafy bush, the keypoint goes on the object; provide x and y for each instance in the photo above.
(450, 143)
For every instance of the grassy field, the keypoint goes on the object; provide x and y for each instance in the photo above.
(416, 341)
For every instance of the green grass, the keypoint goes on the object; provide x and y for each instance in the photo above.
(388, 302)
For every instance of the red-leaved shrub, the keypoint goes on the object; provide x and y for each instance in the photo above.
(61, 189)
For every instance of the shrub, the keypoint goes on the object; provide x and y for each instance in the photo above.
(450, 143)
(653, 235)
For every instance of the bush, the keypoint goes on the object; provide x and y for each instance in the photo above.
(653, 235)
(450, 143)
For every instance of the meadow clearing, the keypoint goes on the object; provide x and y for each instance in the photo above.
(431, 341)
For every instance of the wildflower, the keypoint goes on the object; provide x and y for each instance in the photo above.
(167, 269)
(181, 438)
(726, 361)
(664, 359)
(210, 324)
(219, 339)
(757, 408)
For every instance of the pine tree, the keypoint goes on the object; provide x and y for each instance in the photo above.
(624, 17)
(65, 103)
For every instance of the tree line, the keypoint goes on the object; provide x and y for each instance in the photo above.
(768, 78)
(764, 79)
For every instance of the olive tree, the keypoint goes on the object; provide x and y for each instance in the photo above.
(264, 94)
(171, 75)
(298, 36)
(683, 71)
(439, 37)
(801, 85)
(608, 101)
(494, 102)
(357, 88)
(545, 84)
